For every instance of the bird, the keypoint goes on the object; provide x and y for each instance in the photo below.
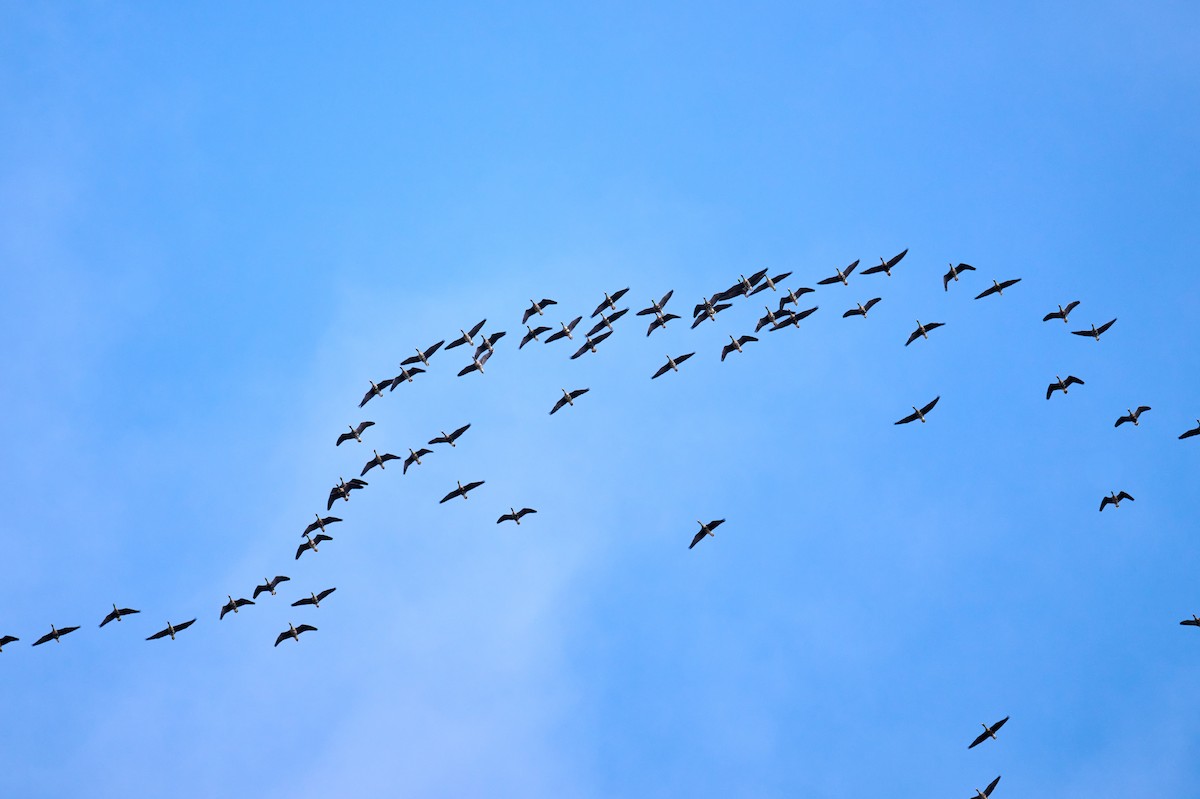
(515, 515)
(1062, 313)
(405, 376)
(793, 296)
(1195, 431)
(449, 439)
(423, 357)
(769, 283)
(988, 732)
(920, 413)
(270, 585)
(606, 321)
(1062, 385)
(656, 308)
(1194, 621)
(794, 318)
(233, 604)
(378, 460)
(467, 337)
(536, 308)
(660, 321)
(170, 630)
(705, 529)
(672, 364)
(414, 457)
(376, 390)
(6, 640)
(566, 330)
(610, 302)
(355, 433)
(953, 274)
(117, 613)
(986, 792)
(589, 345)
(923, 331)
(461, 491)
(706, 310)
(313, 599)
(1095, 332)
(997, 288)
(742, 288)
(840, 277)
(1114, 499)
(311, 543)
(320, 523)
(489, 343)
(55, 634)
(1132, 416)
(886, 266)
(294, 632)
(861, 310)
(476, 364)
(735, 344)
(532, 335)
(342, 490)
(568, 398)
(771, 318)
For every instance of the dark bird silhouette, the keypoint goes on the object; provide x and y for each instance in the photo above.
(610, 302)
(233, 605)
(294, 633)
(565, 331)
(1114, 499)
(772, 318)
(922, 331)
(1062, 313)
(1062, 385)
(735, 344)
(117, 613)
(1131, 416)
(986, 792)
(840, 277)
(919, 413)
(489, 344)
(794, 318)
(1195, 431)
(793, 296)
(414, 457)
(313, 599)
(1194, 621)
(311, 543)
(532, 335)
(606, 321)
(6, 640)
(656, 308)
(405, 376)
(171, 630)
(742, 288)
(342, 490)
(672, 364)
(861, 310)
(660, 321)
(568, 398)
(515, 515)
(953, 274)
(468, 337)
(536, 308)
(1095, 332)
(589, 345)
(476, 364)
(378, 460)
(705, 529)
(270, 585)
(376, 390)
(355, 433)
(988, 732)
(54, 634)
(997, 288)
(886, 266)
(449, 439)
(423, 357)
(461, 491)
(769, 283)
(320, 523)
(706, 310)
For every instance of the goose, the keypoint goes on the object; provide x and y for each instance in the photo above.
(294, 632)
(1062, 385)
(313, 599)
(1132, 416)
(449, 439)
(610, 302)
(117, 613)
(1062, 313)
(422, 357)
(923, 331)
(311, 543)
(861, 310)
(320, 523)
(919, 413)
(1194, 621)
(532, 335)
(568, 398)
(170, 630)
(566, 330)
(705, 529)
(342, 490)
(793, 296)
(986, 792)
(1195, 431)
(461, 491)
(997, 288)
(589, 345)
(376, 390)
(742, 288)
(769, 283)
(6, 640)
(536, 308)
(1114, 499)
(378, 460)
(54, 634)
(355, 433)
(270, 585)
(414, 457)
(772, 318)
(707, 310)
(656, 308)
(953, 274)
(405, 376)
(476, 364)
(988, 732)
(840, 277)
(735, 344)
(886, 266)
(489, 343)
(606, 321)
(672, 364)
(1095, 332)
(794, 318)
(660, 321)
(467, 337)
(233, 604)
(515, 515)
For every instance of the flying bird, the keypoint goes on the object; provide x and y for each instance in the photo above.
(414, 457)
(589, 345)
(320, 523)
(342, 490)
(449, 439)
(997, 288)
(606, 321)
(489, 343)
(919, 413)
(1195, 431)
(468, 337)
(861, 310)
(610, 302)
(922, 331)
(1114, 499)
(886, 266)
(953, 274)
(376, 390)
(311, 543)
(672, 364)
(355, 433)
(1095, 332)
(54, 634)
(405, 376)
(423, 357)
(705, 529)
(6, 640)
(270, 585)
(532, 335)
(656, 308)
(568, 398)
(988, 732)
(1062, 313)
(233, 605)
(772, 318)
(706, 310)
(660, 321)
(313, 599)
(566, 330)
(840, 277)
(794, 318)
(1062, 385)
(769, 283)
(461, 491)
(515, 515)
(117, 613)
(735, 344)
(294, 632)
(986, 792)
(378, 460)
(536, 308)
(476, 364)
(1132, 416)
(171, 629)
(742, 288)
(793, 296)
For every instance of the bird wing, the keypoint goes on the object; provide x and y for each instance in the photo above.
(579, 392)
(1012, 282)
(876, 269)
(983, 736)
(784, 321)
(319, 538)
(1070, 307)
(283, 636)
(1052, 315)
(587, 345)
(528, 337)
(243, 602)
(746, 339)
(458, 342)
(728, 348)
(698, 320)
(715, 523)
(279, 578)
(871, 303)
(258, 589)
(477, 327)
(367, 397)
(1105, 501)
(1105, 326)
(356, 483)
(597, 328)
(343, 437)
(371, 464)
(946, 279)
(326, 593)
(1081, 332)
(159, 634)
(387, 456)
(306, 628)
(525, 512)
(934, 326)
(1142, 409)
(64, 630)
(721, 306)
(573, 322)
(43, 639)
(1050, 389)
(897, 258)
(929, 407)
(185, 625)
(228, 606)
(985, 292)
(696, 539)
(468, 369)
(698, 310)
(561, 402)
(618, 315)
(850, 269)
(410, 360)
(472, 486)
(300, 550)
(912, 417)
(451, 495)
(662, 370)
(112, 615)
(1072, 380)
(913, 337)
(1185, 622)
(1123, 495)
(964, 268)
(662, 303)
(556, 336)
(1122, 420)
(305, 601)
(991, 786)
(508, 517)
(600, 338)
(801, 315)
(8, 639)
(434, 349)
(852, 312)
(683, 358)
(766, 320)
(999, 724)
(1195, 431)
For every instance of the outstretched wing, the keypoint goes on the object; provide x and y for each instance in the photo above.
(111, 615)
(561, 402)
(305, 601)
(159, 634)
(929, 407)
(728, 348)
(852, 312)
(1105, 326)
(1195, 431)
(452, 494)
(508, 517)
(343, 437)
(429, 352)
(1072, 380)
(991, 786)
(325, 593)
(683, 358)
(306, 628)
(1123, 495)
(662, 370)
(697, 538)
(897, 258)
(282, 636)
(871, 303)
(299, 551)
(987, 291)
(912, 417)
(1105, 501)
(579, 392)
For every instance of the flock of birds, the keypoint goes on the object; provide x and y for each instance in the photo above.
(775, 319)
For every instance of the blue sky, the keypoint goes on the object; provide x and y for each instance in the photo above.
(216, 227)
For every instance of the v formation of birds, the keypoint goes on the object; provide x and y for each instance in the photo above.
(608, 312)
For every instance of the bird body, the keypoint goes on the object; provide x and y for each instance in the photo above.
(660, 320)
(919, 413)
(476, 364)
(532, 335)
(320, 523)
(656, 308)
(606, 321)
(793, 296)
(568, 398)
(986, 792)
(515, 515)
(769, 282)
(311, 543)
(342, 490)
(771, 318)
(1062, 385)
(355, 432)
(705, 529)
(117, 613)
(405, 376)
(672, 364)
(1114, 499)
(171, 630)
(1131, 416)
(706, 310)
